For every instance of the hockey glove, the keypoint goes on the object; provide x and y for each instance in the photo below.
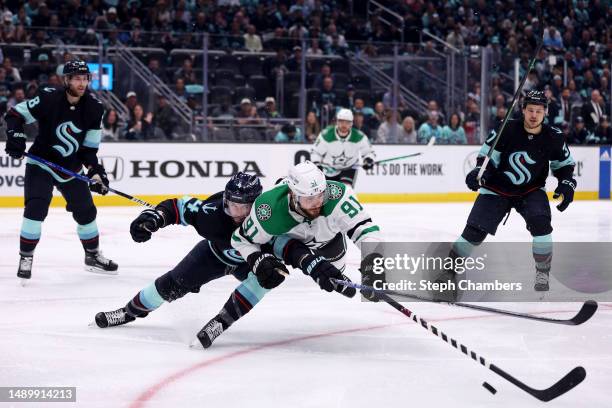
(269, 270)
(320, 270)
(368, 163)
(146, 224)
(565, 189)
(98, 175)
(369, 277)
(15, 144)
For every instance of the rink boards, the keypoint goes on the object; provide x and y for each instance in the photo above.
(155, 171)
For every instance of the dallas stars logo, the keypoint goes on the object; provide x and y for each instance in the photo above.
(264, 212)
(340, 159)
(335, 192)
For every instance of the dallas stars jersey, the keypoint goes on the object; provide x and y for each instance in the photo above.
(209, 219)
(271, 216)
(522, 160)
(336, 153)
(68, 135)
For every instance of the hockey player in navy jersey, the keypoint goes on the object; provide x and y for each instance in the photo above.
(69, 123)
(515, 178)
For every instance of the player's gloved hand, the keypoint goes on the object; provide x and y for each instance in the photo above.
(472, 178)
(269, 270)
(98, 175)
(369, 277)
(321, 270)
(146, 224)
(15, 144)
(368, 163)
(565, 189)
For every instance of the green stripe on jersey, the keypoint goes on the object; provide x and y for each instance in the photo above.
(367, 231)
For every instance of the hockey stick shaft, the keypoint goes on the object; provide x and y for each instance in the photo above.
(432, 140)
(565, 384)
(86, 179)
(585, 313)
(516, 94)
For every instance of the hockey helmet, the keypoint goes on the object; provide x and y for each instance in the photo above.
(240, 192)
(309, 187)
(535, 98)
(345, 114)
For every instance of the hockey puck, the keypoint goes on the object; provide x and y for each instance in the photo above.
(489, 387)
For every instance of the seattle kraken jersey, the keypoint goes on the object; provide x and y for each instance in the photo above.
(522, 160)
(209, 219)
(68, 135)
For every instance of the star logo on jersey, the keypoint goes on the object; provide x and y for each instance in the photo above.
(335, 192)
(65, 132)
(339, 160)
(264, 212)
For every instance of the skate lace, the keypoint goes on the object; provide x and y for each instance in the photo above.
(213, 329)
(101, 259)
(25, 263)
(115, 317)
(541, 277)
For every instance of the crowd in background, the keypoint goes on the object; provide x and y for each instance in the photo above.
(575, 33)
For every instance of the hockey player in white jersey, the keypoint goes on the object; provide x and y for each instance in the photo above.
(338, 148)
(305, 218)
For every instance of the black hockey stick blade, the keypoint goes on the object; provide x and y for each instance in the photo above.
(565, 384)
(586, 312)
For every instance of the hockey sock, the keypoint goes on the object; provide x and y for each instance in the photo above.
(542, 252)
(144, 302)
(462, 248)
(29, 236)
(88, 234)
(242, 300)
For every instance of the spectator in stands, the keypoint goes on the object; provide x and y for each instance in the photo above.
(592, 111)
(252, 41)
(359, 123)
(18, 97)
(248, 113)
(186, 72)
(131, 101)
(565, 107)
(269, 111)
(389, 130)
(408, 133)
(140, 126)
(603, 133)
(500, 114)
(43, 69)
(314, 48)
(156, 69)
(325, 73)
(12, 73)
(179, 89)
(455, 38)
(557, 86)
(279, 40)
(579, 134)
(328, 94)
(453, 133)
(273, 66)
(225, 110)
(574, 97)
(165, 117)
(3, 79)
(430, 129)
(110, 125)
(294, 63)
(553, 110)
(289, 134)
(552, 38)
(432, 106)
(312, 127)
(378, 117)
(359, 107)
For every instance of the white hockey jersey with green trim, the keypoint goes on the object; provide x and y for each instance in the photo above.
(271, 216)
(336, 153)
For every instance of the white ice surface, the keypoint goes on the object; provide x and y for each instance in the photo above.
(300, 347)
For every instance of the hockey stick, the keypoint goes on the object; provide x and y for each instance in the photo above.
(86, 179)
(587, 310)
(429, 144)
(516, 94)
(565, 384)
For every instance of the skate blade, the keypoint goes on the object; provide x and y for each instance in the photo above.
(100, 271)
(23, 282)
(196, 345)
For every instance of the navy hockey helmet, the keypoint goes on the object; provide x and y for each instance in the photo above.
(76, 67)
(535, 98)
(242, 188)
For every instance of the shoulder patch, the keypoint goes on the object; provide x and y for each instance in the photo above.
(264, 212)
(335, 192)
(329, 134)
(356, 135)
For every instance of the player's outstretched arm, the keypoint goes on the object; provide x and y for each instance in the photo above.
(562, 167)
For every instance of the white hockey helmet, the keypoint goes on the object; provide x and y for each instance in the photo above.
(345, 114)
(305, 179)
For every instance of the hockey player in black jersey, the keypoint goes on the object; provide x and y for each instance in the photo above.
(515, 178)
(215, 219)
(69, 123)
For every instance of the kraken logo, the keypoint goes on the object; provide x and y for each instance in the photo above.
(64, 133)
(517, 161)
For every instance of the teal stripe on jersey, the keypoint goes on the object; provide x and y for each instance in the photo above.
(181, 208)
(87, 231)
(93, 138)
(150, 297)
(30, 229)
(22, 109)
(50, 171)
